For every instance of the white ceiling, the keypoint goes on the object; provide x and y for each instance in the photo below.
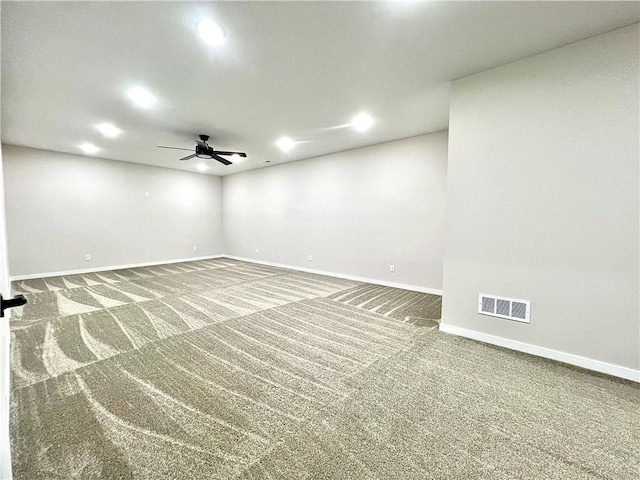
(286, 68)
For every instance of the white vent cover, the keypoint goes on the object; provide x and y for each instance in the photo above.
(509, 308)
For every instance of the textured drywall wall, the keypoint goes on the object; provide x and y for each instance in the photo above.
(355, 212)
(542, 198)
(61, 207)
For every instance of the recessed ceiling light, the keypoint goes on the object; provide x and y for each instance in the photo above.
(202, 167)
(89, 148)
(285, 144)
(108, 130)
(141, 97)
(362, 122)
(211, 32)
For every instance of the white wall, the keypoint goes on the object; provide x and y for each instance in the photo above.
(543, 198)
(61, 207)
(355, 212)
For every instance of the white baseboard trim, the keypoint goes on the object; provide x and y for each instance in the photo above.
(403, 286)
(112, 267)
(571, 359)
(355, 278)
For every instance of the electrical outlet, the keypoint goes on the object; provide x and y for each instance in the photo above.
(146, 194)
(310, 258)
(257, 250)
(392, 268)
(87, 257)
(195, 249)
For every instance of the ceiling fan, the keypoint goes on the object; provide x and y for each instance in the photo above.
(204, 150)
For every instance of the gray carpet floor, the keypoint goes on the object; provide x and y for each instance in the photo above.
(222, 369)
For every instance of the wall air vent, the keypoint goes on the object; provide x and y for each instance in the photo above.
(501, 307)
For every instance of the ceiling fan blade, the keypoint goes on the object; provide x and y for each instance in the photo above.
(224, 161)
(242, 154)
(188, 157)
(177, 148)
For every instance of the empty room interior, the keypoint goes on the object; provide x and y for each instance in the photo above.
(320, 240)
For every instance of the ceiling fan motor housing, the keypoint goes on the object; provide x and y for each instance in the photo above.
(203, 152)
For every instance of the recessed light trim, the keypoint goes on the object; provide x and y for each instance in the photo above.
(285, 144)
(202, 167)
(108, 130)
(362, 122)
(89, 148)
(141, 97)
(210, 32)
